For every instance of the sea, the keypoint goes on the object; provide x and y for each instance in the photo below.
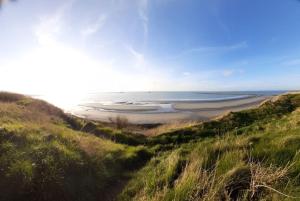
(162, 99)
(184, 96)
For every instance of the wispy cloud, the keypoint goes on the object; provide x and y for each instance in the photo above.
(218, 48)
(213, 49)
(216, 9)
(292, 62)
(94, 27)
(139, 58)
(143, 14)
(230, 72)
(186, 73)
(51, 26)
(227, 73)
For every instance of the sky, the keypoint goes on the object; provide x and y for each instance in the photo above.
(66, 47)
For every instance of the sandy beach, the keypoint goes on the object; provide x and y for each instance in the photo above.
(176, 111)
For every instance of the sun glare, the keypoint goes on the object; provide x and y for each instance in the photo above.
(62, 74)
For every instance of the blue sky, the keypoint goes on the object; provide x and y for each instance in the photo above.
(53, 46)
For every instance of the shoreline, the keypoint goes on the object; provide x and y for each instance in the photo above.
(179, 111)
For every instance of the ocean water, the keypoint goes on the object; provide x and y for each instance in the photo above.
(163, 100)
(152, 97)
(103, 105)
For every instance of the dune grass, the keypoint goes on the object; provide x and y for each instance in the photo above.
(249, 155)
(169, 127)
(43, 157)
(46, 154)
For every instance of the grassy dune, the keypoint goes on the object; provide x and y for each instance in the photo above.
(44, 156)
(249, 155)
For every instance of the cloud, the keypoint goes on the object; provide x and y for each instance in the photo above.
(213, 49)
(237, 46)
(143, 14)
(51, 26)
(293, 62)
(139, 58)
(216, 10)
(230, 72)
(94, 27)
(186, 73)
(227, 73)
(242, 63)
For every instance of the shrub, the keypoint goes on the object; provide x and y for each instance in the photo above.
(10, 97)
(120, 122)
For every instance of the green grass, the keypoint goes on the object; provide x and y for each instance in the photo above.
(234, 121)
(44, 157)
(48, 155)
(239, 157)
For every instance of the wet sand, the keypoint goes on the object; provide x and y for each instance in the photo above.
(121, 108)
(181, 111)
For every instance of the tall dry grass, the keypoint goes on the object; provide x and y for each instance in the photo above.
(170, 127)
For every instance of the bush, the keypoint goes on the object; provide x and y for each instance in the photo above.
(120, 122)
(10, 97)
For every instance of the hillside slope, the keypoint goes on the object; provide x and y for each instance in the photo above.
(43, 156)
(248, 155)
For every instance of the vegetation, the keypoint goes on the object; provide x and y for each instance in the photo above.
(249, 155)
(44, 157)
